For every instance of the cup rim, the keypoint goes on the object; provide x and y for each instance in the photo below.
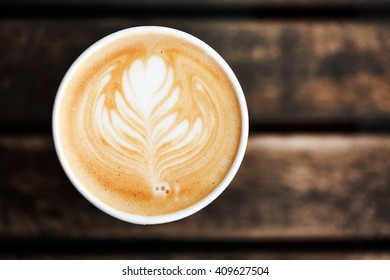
(170, 217)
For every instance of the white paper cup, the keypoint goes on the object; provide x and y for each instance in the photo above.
(139, 219)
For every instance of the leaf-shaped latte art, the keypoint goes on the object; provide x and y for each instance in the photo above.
(143, 121)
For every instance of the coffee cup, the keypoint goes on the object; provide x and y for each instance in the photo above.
(150, 124)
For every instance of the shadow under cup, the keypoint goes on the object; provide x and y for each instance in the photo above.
(143, 111)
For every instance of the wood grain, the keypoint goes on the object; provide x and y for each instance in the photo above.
(289, 187)
(321, 72)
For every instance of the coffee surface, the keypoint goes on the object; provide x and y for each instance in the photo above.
(149, 123)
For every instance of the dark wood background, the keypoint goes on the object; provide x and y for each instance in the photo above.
(315, 182)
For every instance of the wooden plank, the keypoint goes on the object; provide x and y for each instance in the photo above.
(159, 3)
(291, 72)
(177, 249)
(289, 187)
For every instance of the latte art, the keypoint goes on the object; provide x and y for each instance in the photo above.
(143, 124)
(150, 124)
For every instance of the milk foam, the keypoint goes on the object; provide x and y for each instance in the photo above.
(150, 124)
(144, 121)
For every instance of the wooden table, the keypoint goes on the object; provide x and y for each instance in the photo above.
(315, 182)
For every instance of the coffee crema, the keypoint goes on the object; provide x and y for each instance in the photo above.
(149, 123)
